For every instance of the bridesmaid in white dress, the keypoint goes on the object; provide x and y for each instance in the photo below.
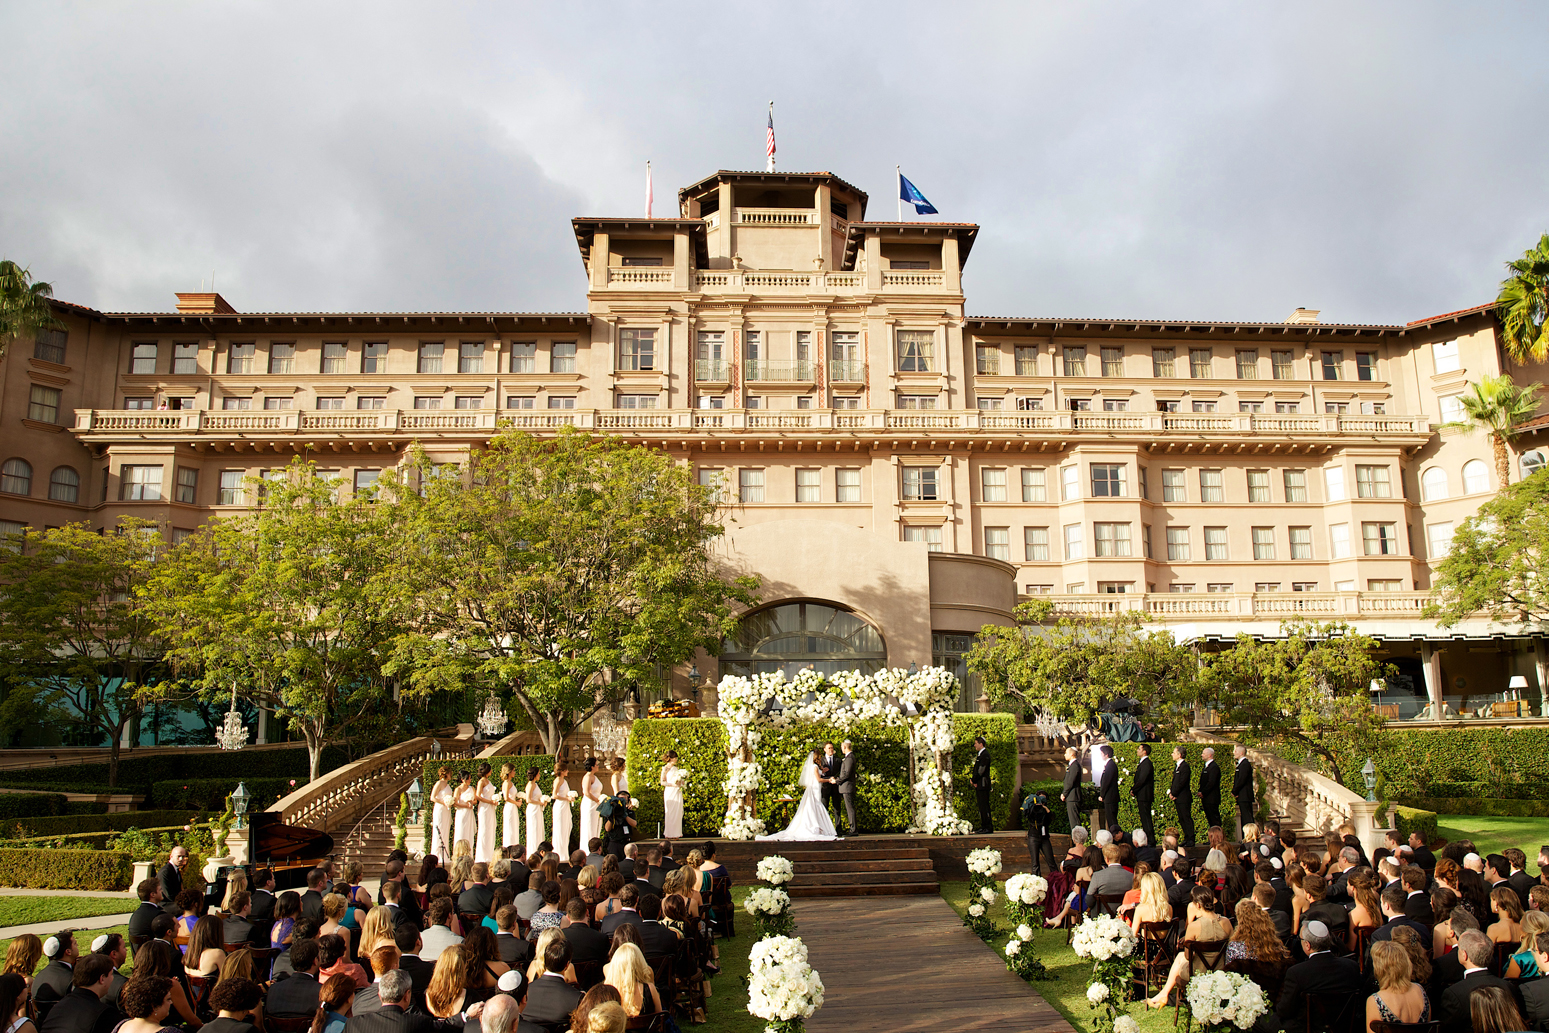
(620, 777)
(463, 801)
(511, 818)
(591, 797)
(563, 818)
(672, 796)
(441, 815)
(535, 801)
(484, 848)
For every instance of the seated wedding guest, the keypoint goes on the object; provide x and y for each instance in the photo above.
(482, 956)
(1204, 926)
(1447, 967)
(235, 1001)
(511, 947)
(1399, 998)
(460, 875)
(1535, 930)
(23, 955)
(287, 908)
(628, 973)
(439, 935)
(628, 862)
(502, 898)
(238, 927)
(113, 947)
(296, 994)
(312, 899)
(612, 885)
(1264, 899)
(338, 916)
(535, 967)
(1478, 952)
(190, 905)
(1443, 902)
(1237, 885)
(1419, 953)
(1113, 879)
(205, 953)
(83, 1009)
(157, 958)
(549, 915)
(1476, 896)
(395, 993)
(681, 883)
(333, 960)
(1538, 898)
(1392, 898)
(550, 998)
(530, 900)
(378, 928)
(594, 998)
(1255, 938)
(1214, 869)
(629, 898)
(149, 892)
(586, 943)
(334, 1004)
(711, 866)
(1507, 928)
(1535, 992)
(1075, 900)
(1417, 902)
(147, 1002)
(478, 896)
(1132, 895)
(1321, 973)
(1145, 853)
(1152, 905)
(1075, 856)
(1317, 907)
(381, 961)
(1493, 1009)
(1182, 889)
(449, 992)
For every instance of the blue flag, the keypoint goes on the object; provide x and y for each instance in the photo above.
(907, 191)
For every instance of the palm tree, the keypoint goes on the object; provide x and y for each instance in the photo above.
(24, 305)
(1497, 405)
(1523, 304)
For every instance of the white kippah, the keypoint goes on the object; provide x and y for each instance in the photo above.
(51, 946)
(1470, 858)
(1317, 928)
(1276, 862)
(100, 942)
(511, 981)
(1169, 855)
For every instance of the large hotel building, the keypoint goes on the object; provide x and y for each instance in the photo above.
(898, 472)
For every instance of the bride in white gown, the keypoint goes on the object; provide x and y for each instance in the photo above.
(811, 821)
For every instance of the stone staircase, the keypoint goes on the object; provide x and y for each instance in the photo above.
(371, 840)
(863, 867)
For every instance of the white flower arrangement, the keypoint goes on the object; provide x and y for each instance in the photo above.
(766, 901)
(976, 910)
(1027, 889)
(775, 870)
(1024, 932)
(1126, 1024)
(1097, 993)
(984, 861)
(1103, 939)
(1220, 999)
(742, 828)
(987, 895)
(1013, 948)
(782, 986)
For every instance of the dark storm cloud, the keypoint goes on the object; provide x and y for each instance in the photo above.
(1197, 160)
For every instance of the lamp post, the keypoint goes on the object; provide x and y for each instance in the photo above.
(240, 798)
(239, 842)
(1369, 773)
(416, 801)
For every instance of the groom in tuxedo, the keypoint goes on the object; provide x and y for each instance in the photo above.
(828, 778)
(844, 782)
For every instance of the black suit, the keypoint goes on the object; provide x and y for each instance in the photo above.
(1038, 818)
(312, 905)
(476, 899)
(140, 921)
(393, 1019)
(1445, 971)
(171, 885)
(1144, 792)
(1323, 973)
(419, 971)
(80, 1011)
(656, 939)
(367, 998)
(1522, 883)
(53, 983)
(1182, 794)
(514, 950)
(1072, 792)
(586, 943)
(263, 907)
(624, 916)
(1535, 999)
(1282, 895)
(1385, 931)
(237, 929)
(627, 868)
(1282, 922)
(296, 994)
(1454, 1012)
(1210, 791)
(1242, 792)
(521, 875)
(1108, 789)
(408, 903)
(224, 1025)
(828, 767)
(846, 787)
(657, 879)
(980, 779)
(1417, 906)
(1427, 860)
(549, 999)
(1179, 893)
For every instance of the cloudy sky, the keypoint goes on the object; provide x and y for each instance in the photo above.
(1189, 160)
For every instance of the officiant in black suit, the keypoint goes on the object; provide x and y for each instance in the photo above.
(1070, 792)
(981, 783)
(828, 779)
(1144, 790)
(845, 784)
(1108, 789)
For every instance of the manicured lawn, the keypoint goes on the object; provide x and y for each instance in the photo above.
(1493, 834)
(728, 1009)
(27, 910)
(92, 934)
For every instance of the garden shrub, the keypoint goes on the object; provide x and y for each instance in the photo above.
(72, 824)
(1501, 763)
(31, 805)
(544, 762)
(1413, 819)
(209, 794)
(701, 746)
(65, 869)
(1480, 806)
(139, 774)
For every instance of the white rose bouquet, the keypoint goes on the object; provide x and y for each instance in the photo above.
(1220, 1001)
(775, 870)
(1020, 957)
(771, 911)
(1024, 892)
(1108, 942)
(983, 865)
(984, 861)
(783, 989)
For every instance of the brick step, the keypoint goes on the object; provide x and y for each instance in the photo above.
(905, 864)
(845, 876)
(828, 857)
(887, 889)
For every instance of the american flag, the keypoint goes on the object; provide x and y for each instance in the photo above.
(769, 140)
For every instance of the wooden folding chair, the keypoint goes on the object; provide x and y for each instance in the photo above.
(1211, 954)
(287, 1023)
(1156, 957)
(1335, 1013)
(1077, 910)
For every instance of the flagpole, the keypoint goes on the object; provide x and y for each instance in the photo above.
(649, 193)
(898, 184)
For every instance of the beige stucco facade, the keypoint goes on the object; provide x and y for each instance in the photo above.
(878, 448)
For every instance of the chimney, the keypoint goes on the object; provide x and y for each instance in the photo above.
(204, 303)
(1301, 315)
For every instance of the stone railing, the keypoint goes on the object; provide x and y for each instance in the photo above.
(1227, 605)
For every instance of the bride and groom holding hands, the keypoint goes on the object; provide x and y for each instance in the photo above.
(825, 777)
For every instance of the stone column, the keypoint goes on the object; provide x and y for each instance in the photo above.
(263, 727)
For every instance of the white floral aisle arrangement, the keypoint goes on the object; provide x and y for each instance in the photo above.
(771, 911)
(775, 870)
(1024, 893)
(1108, 943)
(1020, 958)
(983, 865)
(1221, 1001)
(783, 989)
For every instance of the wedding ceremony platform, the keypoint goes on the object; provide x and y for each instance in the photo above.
(889, 864)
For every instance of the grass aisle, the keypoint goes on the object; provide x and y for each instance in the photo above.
(1067, 991)
(727, 1011)
(28, 910)
(1492, 834)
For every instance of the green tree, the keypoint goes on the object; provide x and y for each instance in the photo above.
(74, 624)
(1309, 688)
(292, 601)
(1523, 303)
(1499, 406)
(25, 306)
(1499, 559)
(563, 570)
(1074, 667)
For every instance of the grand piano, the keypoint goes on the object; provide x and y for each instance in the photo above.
(289, 850)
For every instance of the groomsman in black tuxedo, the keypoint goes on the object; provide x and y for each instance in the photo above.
(844, 782)
(1071, 793)
(1108, 789)
(981, 783)
(1181, 793)
(828, 779)
(1242, 788)
(1210, 788)
(1144, 790)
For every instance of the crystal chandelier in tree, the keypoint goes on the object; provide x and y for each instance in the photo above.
(233, 733)
(492, 719)
(608, 735)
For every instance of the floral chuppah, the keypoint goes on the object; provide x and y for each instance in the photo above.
(842, 701)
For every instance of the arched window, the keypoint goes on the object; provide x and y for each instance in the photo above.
(16, 477)
(64, 485)
(1476, 477)
(790, 636)
(1433, 484)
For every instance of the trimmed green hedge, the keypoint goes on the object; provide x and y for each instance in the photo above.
(209, 794)
(1413, 819)
(1164, 813)
(71, 824)
(65, 869)
(139, 774)
(31, 805)
(1481, 806)
(1000, 738)
(701, 746)
(1501, 763)
(544, 762)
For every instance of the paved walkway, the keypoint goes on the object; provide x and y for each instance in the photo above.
(909, 964)
(46, 929)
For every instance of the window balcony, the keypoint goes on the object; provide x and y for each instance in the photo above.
(777, 217)
(789, 372)
(847, 372)
(712, 371)
(1229, 605)
(640, 277)
(777, 281)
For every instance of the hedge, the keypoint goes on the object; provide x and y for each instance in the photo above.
(209, 794)
(138, 774)
(1480, 806)
(1413, 819)
(1503, 763)
(1000, 738)
(71, 824)
(1164, 813)
(544, 762)
(31, 805)
(65, 869)
(701, 746)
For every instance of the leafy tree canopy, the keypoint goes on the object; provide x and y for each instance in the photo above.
(1523, 303)
(1499, 560)
(25, 306)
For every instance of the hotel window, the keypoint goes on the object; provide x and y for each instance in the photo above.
(470, 357)
(139, 402)
(468, 402)
(142, 358)
(750, 485)
(1112, 538)
(1080, 404)
(524, 356)
(641, 261)
(997, 543)
(330, 403)
(989, 404)
(1445, 356)
(1070, 483)
(1164, 362)
(1027, 360)
(1304, 586)
(230, 493)
(1199, 363)
(992, 485)
(915, 349)
(807, 485)
(43, 404)
(1075, 588)
(1384, 584)
(184, 403)
(1247, 364)
(1178, 549)
(1281, 364)
(230, 404)
(1215, 543)
(16, 477)
(803, 345)
(1266, 586)
(1108, 480)
(370, 401)
(1039, 589)
(373, 357)
(365, 480)
(1250, 406)
(1451, 408)
(1074, 360)
(1374, 409)
(521, 402)
(845, 348)
(427, 401)
(803, 401)
(846, 402)
(1333, 365)
(64, 485)
(1440, 538)
(1366, 365)
(1258, 485)
(239, 359)
(931, 536)
(185, 359)
(1336, 408)
(334, 353)
(1035, 544)
(1344, 586)
(1167, 405)
(637, 401)
(1301, 543)
(1371, 482)
(1113, 362)
(847, 485)
(282, 358)
(1180, 589)
(430, 355)
(139, 483)
(1219, 588)
(49, 346)
(920, 483)
(637, 349)
(1145, 489)
(562, 357)
(1263, 543)
(1115, 405)
(1334, 484)
(1204, 407)
(1034, 486)
(1339, 541)
(1287, 408)
(1029, 405)
(1173, 487)
(1210, 486)
(561, 401)
(987, 360)
(917, 401)
(1433, 484)
(1114, 587)
(710, 402)
(1476, 477)
(1075, 544)
(273, 404)
(187, 484)
(711, 480)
